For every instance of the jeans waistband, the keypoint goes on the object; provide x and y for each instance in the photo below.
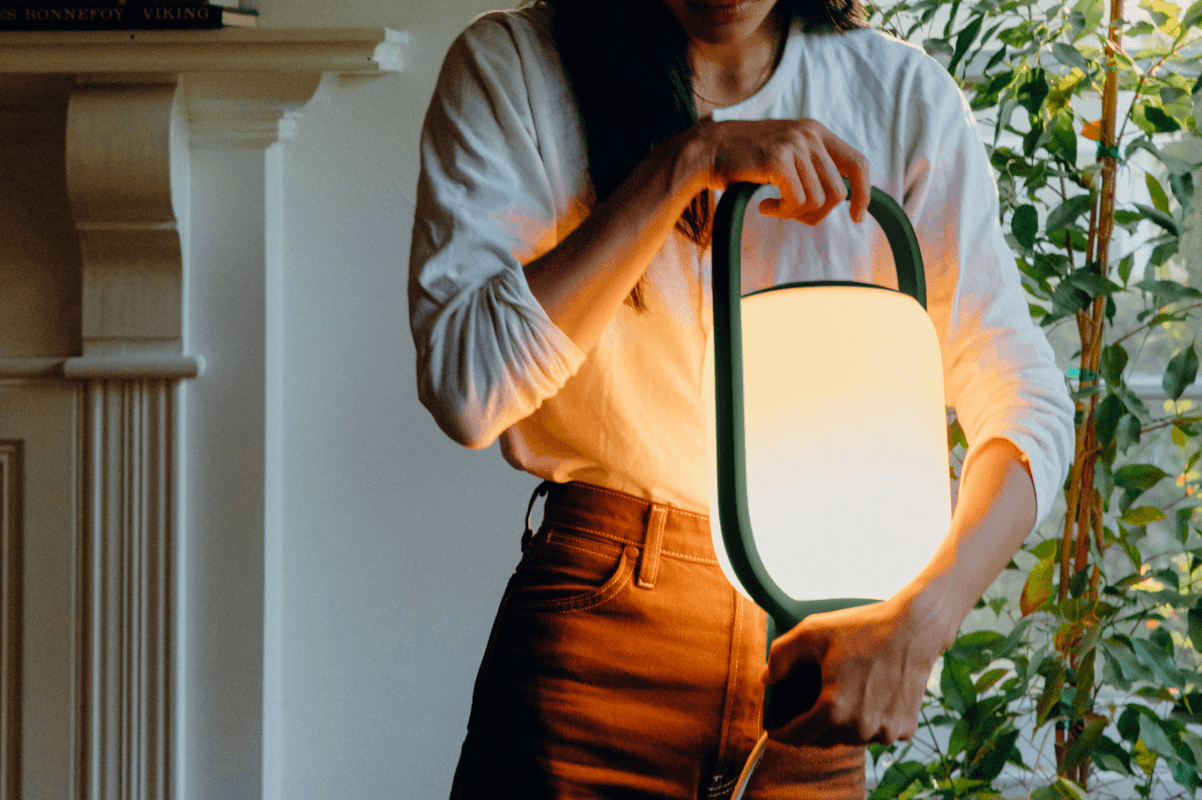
(654, 527)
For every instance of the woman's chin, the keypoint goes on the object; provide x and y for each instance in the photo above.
(720, 21)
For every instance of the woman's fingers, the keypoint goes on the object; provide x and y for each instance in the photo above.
(874, 667)
(803, 159)
(854, 165)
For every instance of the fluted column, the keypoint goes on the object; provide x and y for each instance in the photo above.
(127, 592)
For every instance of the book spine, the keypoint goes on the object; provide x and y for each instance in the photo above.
(36, 4)
(92, 18)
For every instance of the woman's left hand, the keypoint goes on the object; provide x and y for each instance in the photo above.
(875, 662)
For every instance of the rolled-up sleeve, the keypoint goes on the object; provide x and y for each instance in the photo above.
(1000, 372)
(487, 353)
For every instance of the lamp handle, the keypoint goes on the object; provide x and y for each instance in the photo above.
(733, 512)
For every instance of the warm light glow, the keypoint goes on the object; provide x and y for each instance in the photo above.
(847, 470)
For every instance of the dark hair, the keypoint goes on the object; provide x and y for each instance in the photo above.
(627, 64)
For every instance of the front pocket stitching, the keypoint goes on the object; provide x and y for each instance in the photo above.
(603, 534)
(602, 594)
(686, 557)
(561, 543)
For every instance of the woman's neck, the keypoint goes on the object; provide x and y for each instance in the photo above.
(726, 73)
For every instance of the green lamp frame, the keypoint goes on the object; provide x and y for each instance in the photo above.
(799, 691)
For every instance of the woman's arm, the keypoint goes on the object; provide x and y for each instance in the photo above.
(582, 282)
(505, 298)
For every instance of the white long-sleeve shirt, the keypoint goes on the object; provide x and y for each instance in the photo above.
(504, 179)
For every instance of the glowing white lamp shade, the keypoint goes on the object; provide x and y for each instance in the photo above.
(845, 435)
(827, 430)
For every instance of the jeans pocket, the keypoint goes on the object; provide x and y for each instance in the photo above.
(566, 570)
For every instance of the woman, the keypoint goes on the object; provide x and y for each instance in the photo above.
(559, 301)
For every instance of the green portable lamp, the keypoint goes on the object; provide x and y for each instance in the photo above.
(827, 429)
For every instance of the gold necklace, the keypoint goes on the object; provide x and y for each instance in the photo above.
(777, 45)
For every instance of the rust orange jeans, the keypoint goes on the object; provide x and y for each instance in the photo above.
(622, 665)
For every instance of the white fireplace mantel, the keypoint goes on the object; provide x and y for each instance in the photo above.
(124, 108)
(136, 241)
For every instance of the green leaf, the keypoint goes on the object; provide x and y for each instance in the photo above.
(1144, 757)
(1103, 480)
(899, 777)
(1182, 519)
(1106, 419)
(1062, 142)
(1188, 709)
(1163, 252)
(1139, 476)
(1110, 756)
(1169, 291)
(933, 46)
(963, 41)
(993, 756)
(996, 59)
(1111, 363)
(1033, 91)
(1193, 743)
(1045, 549)
(988, 679)
(1159, 121)
(1153, 736)
(1191, 18)
(1092, 11)
(956, 684)
(1067, 299)
(1053, 686)
(1142, 515)
(1129, 548)
(1038, 587)
(1069, 56)
(1067, 212)
(1083, 681)
(955, 435)
(1182, 185)
(1180, 373)
(1093, 284)
(1159, 199)
(1013, 641)
(1154, 658)
(1125, 267)
(1195, 626)
(1133, 403)
(1087, 740)
(1025, 225)
(1128, 722)
(1127, 433)
(1161, 218)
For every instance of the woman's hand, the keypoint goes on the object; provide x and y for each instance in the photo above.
(875, 662)
(583, 281)
(803, 159)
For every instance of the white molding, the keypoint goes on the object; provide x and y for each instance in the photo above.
(244, 110)
(127, 639)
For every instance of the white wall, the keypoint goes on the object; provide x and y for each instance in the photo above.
(393, 544)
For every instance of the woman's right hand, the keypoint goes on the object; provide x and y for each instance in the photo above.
(583, 281)
(803, 159)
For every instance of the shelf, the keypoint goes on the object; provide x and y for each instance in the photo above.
(349, 50)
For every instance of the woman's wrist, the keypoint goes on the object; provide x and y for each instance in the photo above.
(692, 161)
(933, 606)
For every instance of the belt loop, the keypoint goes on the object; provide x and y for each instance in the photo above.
(649, 565)
(539, 491)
